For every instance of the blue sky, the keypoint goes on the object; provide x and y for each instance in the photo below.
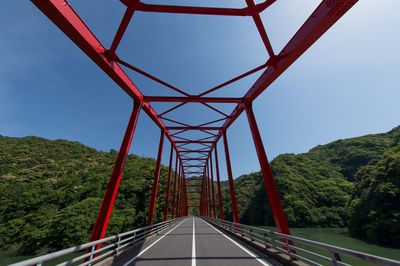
(346, 85)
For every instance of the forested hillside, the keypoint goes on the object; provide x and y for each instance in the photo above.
(51, 191)
(353, 182)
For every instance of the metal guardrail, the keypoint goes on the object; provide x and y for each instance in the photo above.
(117, 243)
(266, 238)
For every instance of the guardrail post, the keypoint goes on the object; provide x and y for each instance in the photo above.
(289, 250)
(134, 239)
(251, 234)
(265, 239)
(335, 257)
(91, 255)
(118, 245)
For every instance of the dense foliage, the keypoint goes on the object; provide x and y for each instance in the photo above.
(374, 210)
(352, 182)
(51, 191)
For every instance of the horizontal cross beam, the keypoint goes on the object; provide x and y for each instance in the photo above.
(194, 159)
(192, 99)
(194, 151)
(195, 142)
(194, 128)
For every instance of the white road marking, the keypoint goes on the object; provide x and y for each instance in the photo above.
(144, 250)
(194, 246)
(240, 246)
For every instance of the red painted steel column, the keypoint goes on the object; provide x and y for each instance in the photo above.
(209, 190)
(212, 184)
(186, 197)
(168, 183)
(207, 195)
(182, 197)
(202, 198)
(103, 217)
(178, 194)
(204, 188)
(273, 195)
(221, 210)
(231, 185)
(155, 181)
(173, 197)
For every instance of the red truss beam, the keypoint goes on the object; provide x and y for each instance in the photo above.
(210, 137)
(194, 142)
(192, 99)
(122, 28)
(174, 121)
(234, 79)
(171, 109)
(215, 109)
(192, 10)
(199, 10)
(195, 151)
(190, 173)
(181, 138)
(149, 76)
(168, 184)
(156, 179)
(194, 128)
(321, 20)
(260, 27)
(107, 204)
(193, 206)
(66, 19)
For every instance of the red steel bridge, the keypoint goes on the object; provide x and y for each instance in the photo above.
(196, 159)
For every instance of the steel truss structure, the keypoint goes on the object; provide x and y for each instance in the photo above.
(193, 167)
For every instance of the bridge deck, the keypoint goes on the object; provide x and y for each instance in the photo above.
(192, 241)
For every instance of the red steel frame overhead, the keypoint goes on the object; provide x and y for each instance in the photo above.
(193, 164)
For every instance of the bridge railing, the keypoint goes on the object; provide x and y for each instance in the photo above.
(289, 245)
(114, 244)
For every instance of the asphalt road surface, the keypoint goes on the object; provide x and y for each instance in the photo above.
(193, 242)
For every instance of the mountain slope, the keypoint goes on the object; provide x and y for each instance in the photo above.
(51, 191)
(316, 187)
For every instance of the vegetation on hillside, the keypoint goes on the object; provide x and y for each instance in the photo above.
(51, 191)
(374, 208)
(352, 182)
